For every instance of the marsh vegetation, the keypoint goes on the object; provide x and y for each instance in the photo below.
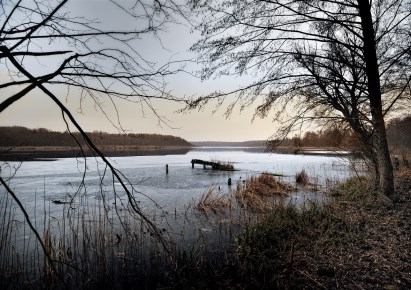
(93, 238)
(245, 238)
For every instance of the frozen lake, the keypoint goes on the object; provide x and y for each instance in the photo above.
(43, 181)
(96, 215)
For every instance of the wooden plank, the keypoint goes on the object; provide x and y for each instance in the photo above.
(214, 165)
(203, 162)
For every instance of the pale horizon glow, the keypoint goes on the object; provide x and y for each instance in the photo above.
(37, 111)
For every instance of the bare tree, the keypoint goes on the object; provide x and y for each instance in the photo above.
(44, 48)
(345, 63)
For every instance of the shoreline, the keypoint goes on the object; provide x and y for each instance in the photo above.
(50, 153)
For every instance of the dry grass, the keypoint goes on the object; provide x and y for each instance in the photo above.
(89, 248)
(213, 200)
(226, 166)
(285, 248)
(356, 241)
(253, 193)
(302, 178)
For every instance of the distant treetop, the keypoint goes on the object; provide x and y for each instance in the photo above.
(21, 136)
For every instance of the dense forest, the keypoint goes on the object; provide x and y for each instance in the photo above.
(24, 137)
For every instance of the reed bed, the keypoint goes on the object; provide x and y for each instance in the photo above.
(253, 193)
(103, 245)
(89, 247)
(213, 200)
(224, 165)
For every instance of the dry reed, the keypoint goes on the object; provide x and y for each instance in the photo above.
(84, 246)
(214, 201)
(302, 178)
(253, 193)
(106, 247)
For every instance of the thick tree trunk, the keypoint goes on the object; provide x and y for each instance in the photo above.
(374, 89)
(384, 161)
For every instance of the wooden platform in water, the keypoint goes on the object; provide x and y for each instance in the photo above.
(214, 165)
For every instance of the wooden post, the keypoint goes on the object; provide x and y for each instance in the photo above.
(166, 168)
(192, 164)
(229, 181)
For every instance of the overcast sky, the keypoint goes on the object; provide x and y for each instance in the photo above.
(37, 110)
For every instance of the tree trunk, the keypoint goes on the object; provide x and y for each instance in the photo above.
(374, 89)
(384, 161)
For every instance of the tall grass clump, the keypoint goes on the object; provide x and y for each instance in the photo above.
(213, 201)
(293, 248)
(225, 166)
(302, 178)
(357, 188)
(254, 192)
(275, 252)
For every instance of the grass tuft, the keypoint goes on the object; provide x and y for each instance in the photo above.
(302, 178)
(354, 188)
(253, 193)
(211, 200)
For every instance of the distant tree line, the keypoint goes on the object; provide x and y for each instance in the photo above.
(398, 135)
(252, 143)
(398, 132)
(21, 136)
(328, 138)
(341, 63)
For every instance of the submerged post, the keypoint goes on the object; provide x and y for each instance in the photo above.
(229, 181)
(192, 164)
(166, 168)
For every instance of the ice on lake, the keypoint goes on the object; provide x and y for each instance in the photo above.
(42, 181)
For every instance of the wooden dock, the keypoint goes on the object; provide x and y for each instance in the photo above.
(214, 165)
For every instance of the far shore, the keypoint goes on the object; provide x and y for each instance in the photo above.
(32, 153)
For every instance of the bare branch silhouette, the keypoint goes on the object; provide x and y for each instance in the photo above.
(345, 63)
(76, 53)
